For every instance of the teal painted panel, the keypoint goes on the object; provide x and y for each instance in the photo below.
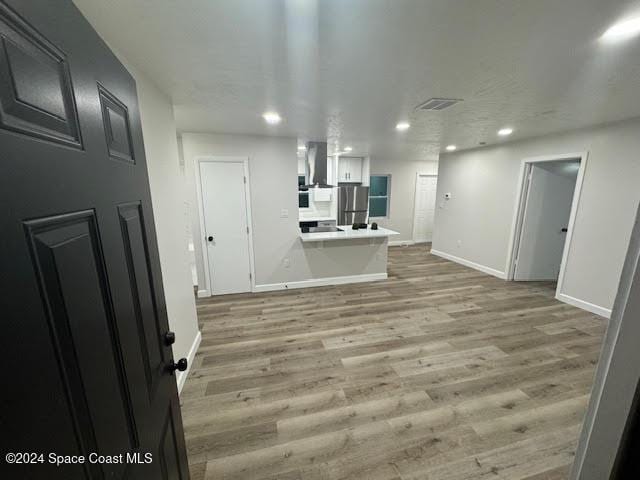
(378, 185)
(378, 207)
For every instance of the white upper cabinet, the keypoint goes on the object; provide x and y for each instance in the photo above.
(350, 169)
(343, 170)
(355, 169)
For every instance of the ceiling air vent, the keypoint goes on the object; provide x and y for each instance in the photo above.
(438, 103)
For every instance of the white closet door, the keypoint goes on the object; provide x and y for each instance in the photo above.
(425, 204)
(226, 226)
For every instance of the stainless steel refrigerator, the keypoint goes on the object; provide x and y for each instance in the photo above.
(353, 204)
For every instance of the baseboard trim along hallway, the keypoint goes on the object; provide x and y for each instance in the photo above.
(181, 377)
(576, 302)
(401, 243)
(589, 307)
(321, 282)
(469, 263)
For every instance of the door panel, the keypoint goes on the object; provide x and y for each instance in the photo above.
(115, 117)
(169, 456)
(425, 204)
(226, 224)
(68, 263)
(146, 312)
(83, 303)
(35, 92)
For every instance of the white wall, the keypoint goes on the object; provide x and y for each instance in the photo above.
(403, 190)
(168, 195)
(273, 169)
(475, 225)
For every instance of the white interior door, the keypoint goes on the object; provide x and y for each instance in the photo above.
(425, 205)
(226, 226)
(545, 220)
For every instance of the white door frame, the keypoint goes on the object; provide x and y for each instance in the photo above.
(518, 215)
(203, 241)
(415, 201)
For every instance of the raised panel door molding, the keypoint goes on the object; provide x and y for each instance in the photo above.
(168, 456)
(36, 94)
(117, 129)
(69, 265)
(144, 295)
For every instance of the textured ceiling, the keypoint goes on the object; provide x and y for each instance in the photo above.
(349, 70)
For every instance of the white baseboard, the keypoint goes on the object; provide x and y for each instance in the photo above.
(321, 282)
(469, 263)
(589, 307)
(401, 243)
(576, 302)
(204, 293)
(181, 377)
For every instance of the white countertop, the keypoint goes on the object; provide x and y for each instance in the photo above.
(347, 234)
(317, 219)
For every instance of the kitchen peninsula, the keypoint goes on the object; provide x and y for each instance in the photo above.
(345, 256)
(334, 189)
(346, 232)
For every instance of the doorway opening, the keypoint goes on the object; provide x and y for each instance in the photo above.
(424, 207)
(225, 222)
(545, 215)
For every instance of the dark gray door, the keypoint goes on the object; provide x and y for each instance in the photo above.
(85, 353)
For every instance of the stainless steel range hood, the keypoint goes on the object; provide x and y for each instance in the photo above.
(317, 165)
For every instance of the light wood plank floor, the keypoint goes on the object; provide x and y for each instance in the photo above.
(440, 373)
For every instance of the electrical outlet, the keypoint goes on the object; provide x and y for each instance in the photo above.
(284, 213)
(459, 242)
(286, 262)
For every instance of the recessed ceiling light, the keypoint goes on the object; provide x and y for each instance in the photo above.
(451, 148)
(402, 126)
(622, 30)
(503, 132)
(272, 118)
(347, 149)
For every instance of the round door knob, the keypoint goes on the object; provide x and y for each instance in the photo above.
(180, 365)
(210, 238)
(169, 338)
